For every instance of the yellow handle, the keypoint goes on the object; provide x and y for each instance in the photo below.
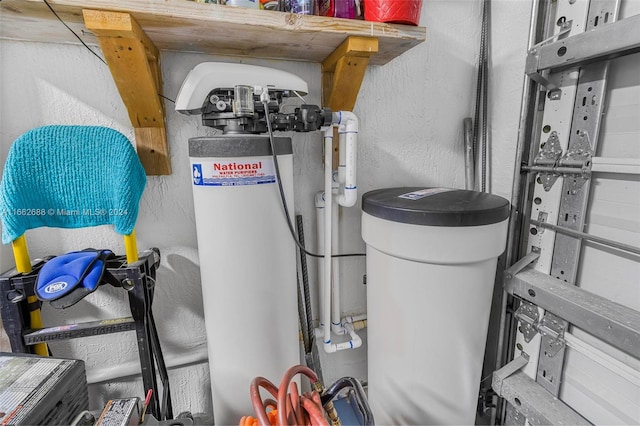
(21, 254)
(131, 247)
(23, 265)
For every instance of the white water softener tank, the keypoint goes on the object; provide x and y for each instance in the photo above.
(248, 265)
(431, 264)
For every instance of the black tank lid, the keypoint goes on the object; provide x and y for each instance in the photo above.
(435, 206)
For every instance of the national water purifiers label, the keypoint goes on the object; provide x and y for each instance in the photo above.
(416, 195)
(233, 171)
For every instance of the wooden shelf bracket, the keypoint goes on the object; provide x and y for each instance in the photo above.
(134, 63)
(343, 72)
(342, 75)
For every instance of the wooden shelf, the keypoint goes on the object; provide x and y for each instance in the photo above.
(130, 32)
(188, 26)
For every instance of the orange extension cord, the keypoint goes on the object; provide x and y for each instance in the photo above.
(288, 408)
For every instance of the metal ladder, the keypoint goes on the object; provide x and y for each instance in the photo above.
(138, 279)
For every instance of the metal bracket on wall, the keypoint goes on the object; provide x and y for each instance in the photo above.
(549, 156)
(578, 156)
(611, 322)
(528, 316)
(508, 370)
(553, 328)
(549, 326)
(521, 264)
(534, 57)
(529, 399)
(596, 44)
(575, 165)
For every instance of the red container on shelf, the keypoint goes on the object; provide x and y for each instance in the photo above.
(393, 11)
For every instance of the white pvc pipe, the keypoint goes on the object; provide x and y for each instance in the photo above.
(336, 324)
(342, 158)
(350, 329)
(357, 321)
(347, 196)
(328, 202)
(320, 209)
(348, 129)
(356, 341)
(354, 318)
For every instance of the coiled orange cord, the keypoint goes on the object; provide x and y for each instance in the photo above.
(288, 408)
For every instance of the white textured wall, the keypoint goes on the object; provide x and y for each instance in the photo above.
(509, 35)
(411, 113)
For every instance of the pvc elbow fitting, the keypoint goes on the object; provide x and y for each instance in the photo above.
(348, 198)
(338, 329)
(347, 119)
(356, 341)
(330, 348)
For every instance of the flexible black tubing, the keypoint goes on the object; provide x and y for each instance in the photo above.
(284, 200)
(485, 90)
(305, 284)
(480, 124)
(166, 408)
(478, 105)
(302, 319)
(361, 399)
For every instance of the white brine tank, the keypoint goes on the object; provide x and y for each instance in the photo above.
(248, 266)
(431, 264)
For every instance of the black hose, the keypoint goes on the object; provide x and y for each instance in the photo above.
(480, 123)
(166, 408)
(302, 318)
(305, 283)
(478, 106)
(361, 399)
(485, 89)
(284, 200)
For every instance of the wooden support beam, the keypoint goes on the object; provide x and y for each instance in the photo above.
(134, 63)
(342, 75)
(343, 72)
